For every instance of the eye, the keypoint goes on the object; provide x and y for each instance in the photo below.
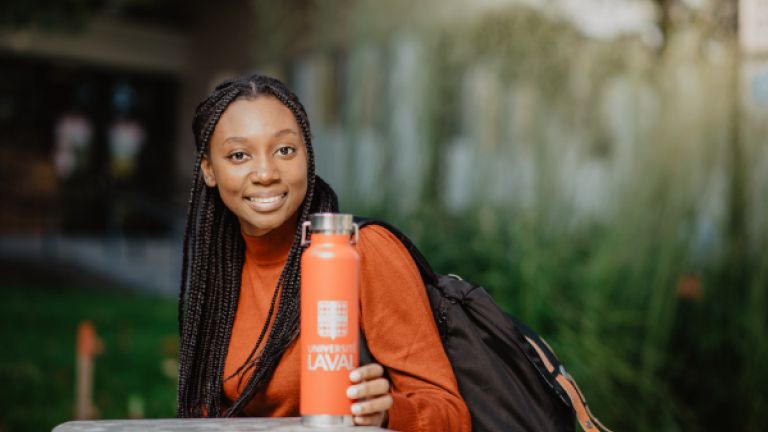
(237, 156)
(286, 151)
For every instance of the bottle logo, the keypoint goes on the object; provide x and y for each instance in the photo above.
(332, 318)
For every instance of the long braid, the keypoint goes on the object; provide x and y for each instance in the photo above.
(192, 315)
(236, 246)
(199, 330)
(196, 270)
(216, 300)
(213, 258)
(183, 317)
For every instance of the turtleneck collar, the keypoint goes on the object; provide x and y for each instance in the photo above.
(272, 247)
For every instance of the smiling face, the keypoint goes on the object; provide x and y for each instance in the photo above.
(258, 161)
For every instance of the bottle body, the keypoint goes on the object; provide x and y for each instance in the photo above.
(330, 280)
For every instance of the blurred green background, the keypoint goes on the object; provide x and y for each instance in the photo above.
(135, 374)
(601, 167)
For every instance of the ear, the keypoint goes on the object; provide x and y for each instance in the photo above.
(210, 178)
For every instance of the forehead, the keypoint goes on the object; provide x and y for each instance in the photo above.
(264, 115)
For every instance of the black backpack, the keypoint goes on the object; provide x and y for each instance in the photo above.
(508, 376)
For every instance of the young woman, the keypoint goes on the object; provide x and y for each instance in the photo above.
(254, 184)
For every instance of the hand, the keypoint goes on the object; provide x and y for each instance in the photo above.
(371, 391)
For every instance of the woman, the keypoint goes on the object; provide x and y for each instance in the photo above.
(254, 184)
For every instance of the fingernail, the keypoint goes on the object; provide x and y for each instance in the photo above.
(352, 392)
(356, 408)
(354, 376)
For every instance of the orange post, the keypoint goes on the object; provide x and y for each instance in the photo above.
(88, 345)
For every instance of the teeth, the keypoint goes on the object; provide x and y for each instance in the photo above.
(265, 200)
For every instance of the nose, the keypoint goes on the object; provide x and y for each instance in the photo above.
(264, 171)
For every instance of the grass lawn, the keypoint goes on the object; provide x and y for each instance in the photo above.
(39, 315)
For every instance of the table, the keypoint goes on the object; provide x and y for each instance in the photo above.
(285, 424)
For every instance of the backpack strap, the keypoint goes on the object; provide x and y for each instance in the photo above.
(588, 422)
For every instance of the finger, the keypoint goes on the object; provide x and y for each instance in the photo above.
(377, 387)
(372, 406)
(364, 373)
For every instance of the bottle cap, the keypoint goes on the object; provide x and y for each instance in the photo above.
(331, 223)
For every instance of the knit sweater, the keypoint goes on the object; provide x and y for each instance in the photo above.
(395, 318)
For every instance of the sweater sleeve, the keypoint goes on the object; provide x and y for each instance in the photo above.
(402, 335)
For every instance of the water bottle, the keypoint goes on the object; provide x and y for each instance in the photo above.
(330, 284)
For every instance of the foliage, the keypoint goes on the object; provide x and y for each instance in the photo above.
(657, 302)
(654, 344)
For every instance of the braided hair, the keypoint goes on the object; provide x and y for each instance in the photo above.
(212, 265)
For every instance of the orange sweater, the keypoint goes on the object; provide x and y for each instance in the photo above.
(395, 317)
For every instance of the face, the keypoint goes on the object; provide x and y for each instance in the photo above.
(258, 161)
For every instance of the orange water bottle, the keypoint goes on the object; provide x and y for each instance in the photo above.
(330, 285)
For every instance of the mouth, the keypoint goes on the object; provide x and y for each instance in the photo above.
(266, 203)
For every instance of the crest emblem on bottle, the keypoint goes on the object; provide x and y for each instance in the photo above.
(332, 318)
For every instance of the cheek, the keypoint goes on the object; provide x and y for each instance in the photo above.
(299, 184)
(229, 179)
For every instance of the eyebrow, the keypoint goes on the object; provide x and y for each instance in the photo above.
(286, 132)
(235, 139)
(238, 139)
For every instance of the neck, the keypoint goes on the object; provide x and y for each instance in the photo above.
(274, 246)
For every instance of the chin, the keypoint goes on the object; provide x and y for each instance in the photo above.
(263, 226)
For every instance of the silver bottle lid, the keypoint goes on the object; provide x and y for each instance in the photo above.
(331, 223)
